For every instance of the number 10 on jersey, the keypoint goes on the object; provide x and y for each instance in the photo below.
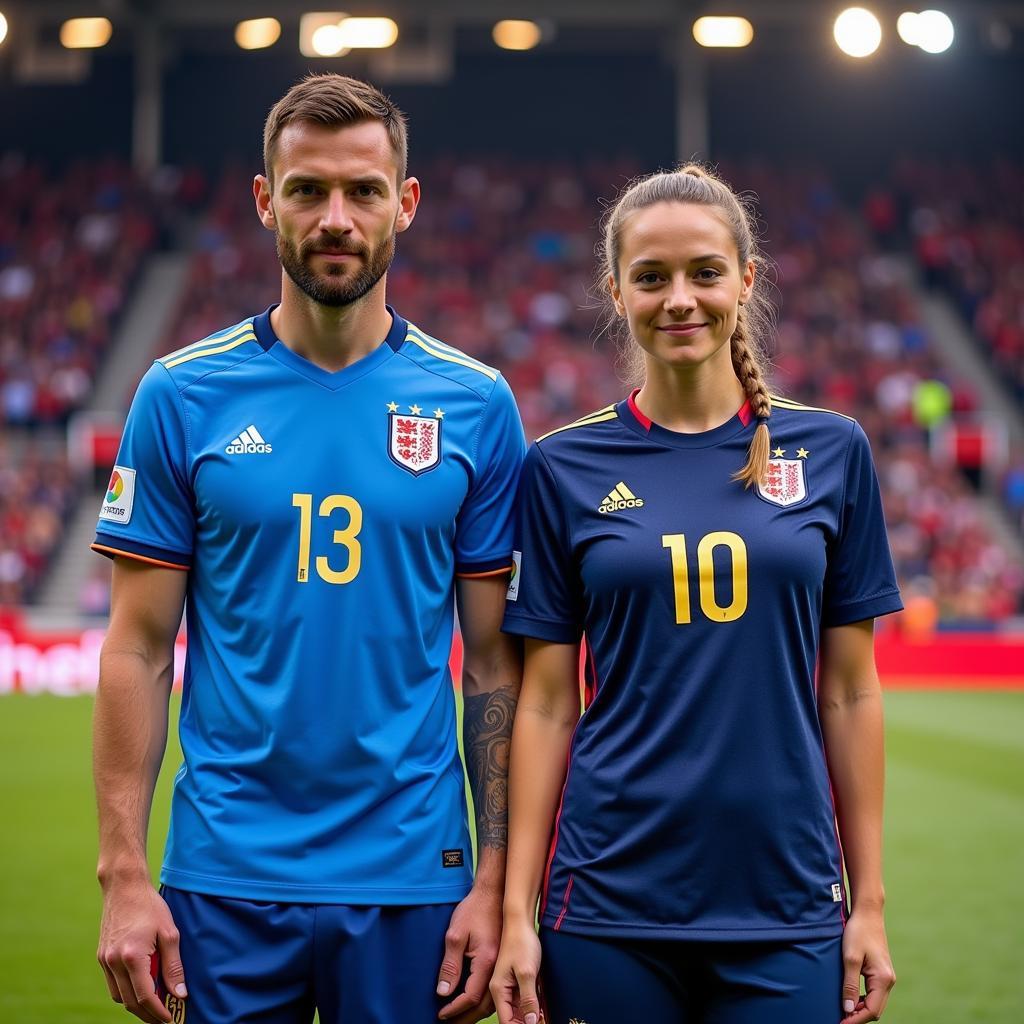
(676, 543)
(344, 538)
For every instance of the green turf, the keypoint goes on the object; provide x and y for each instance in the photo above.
(955, 836)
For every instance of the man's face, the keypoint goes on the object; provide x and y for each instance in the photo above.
(335, 208)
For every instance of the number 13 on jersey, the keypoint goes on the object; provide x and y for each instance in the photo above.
(344, 538)
(676, 543)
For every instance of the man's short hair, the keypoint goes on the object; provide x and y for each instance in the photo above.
(335, 101)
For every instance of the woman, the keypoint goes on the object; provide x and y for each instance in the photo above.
(713, 545)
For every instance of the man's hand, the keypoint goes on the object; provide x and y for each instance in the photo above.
(865, 952)
(136, 928)
(474, 935)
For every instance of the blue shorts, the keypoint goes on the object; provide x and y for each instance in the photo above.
(276, 963)
(608, 981)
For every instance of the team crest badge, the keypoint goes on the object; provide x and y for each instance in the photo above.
(414, 442)
(786, 484)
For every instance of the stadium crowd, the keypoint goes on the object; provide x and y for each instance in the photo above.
(501, 264)
(37, 490)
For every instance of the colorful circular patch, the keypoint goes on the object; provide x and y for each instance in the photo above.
(115, 488)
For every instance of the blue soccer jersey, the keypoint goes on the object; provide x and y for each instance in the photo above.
(322, 518)
(697, 801)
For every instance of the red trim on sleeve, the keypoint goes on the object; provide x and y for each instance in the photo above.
(481, 575)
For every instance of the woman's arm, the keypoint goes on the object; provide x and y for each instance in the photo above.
(549, 708)
(850, 709)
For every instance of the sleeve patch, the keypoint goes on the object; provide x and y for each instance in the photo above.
(513, 583)
(120, 496)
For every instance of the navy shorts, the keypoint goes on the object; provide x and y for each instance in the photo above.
(608, 981)
(276, 963)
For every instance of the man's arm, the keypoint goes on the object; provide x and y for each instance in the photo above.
(129, 737)
(491, 677)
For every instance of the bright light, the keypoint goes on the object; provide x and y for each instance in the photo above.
(908, 28)
(516, 35)
(328, 41)
(326, 45)
(934, 31)
(857, 32)
(3, 28)
(85, 33)
(368, 33)
(723, 31)
(257, 33)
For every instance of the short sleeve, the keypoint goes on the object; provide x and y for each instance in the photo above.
(484, 527)
(860, 582)
(543, 599)
(147, 512)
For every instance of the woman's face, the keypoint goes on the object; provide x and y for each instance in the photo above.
(680, 283)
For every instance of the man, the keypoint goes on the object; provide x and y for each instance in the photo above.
(316, 480)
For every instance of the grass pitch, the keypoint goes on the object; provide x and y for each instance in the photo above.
(954, 842)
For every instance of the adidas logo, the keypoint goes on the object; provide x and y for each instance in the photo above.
(249, 442)
(619, 498)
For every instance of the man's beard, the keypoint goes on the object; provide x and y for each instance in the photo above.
(335, 288)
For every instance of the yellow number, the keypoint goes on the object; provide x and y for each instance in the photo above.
(304, 503)
(706, 565)
(345, 538)
(676, 543)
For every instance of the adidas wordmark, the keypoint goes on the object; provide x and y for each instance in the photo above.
(249, 442)
(620, 497)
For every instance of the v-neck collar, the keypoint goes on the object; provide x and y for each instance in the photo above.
(330, 379)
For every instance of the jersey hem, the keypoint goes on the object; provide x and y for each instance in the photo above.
(604, 929)
(284, 892)
(541, 629)
(857, 611)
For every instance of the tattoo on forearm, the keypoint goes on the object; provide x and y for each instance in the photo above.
(487, 734)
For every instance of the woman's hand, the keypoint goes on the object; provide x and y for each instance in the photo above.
(514, 983)
(865, 952)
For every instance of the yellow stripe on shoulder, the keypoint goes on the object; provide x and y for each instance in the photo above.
(188, 356)
(607, 413)
(449, 357)
(788, 403)
(213, 339)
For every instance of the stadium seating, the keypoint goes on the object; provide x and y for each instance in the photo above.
(71, 245)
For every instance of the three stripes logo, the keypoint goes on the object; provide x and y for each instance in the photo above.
(249, 442)
(620, 497)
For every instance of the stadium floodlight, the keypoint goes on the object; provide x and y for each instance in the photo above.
(713, 31)
(329, 42)
(857, 32)
(3, 28)
(516, 35)
(907, 27)
(934, 31)
(85, 33)
(313, 42)
(257, 33)
(368, 33)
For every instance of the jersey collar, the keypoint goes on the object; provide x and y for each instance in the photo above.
(273, 345)
(630, 414)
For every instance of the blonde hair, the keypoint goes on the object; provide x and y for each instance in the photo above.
(694, 183)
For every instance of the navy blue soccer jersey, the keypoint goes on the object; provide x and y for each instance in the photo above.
(697, 802)
(322, 518)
